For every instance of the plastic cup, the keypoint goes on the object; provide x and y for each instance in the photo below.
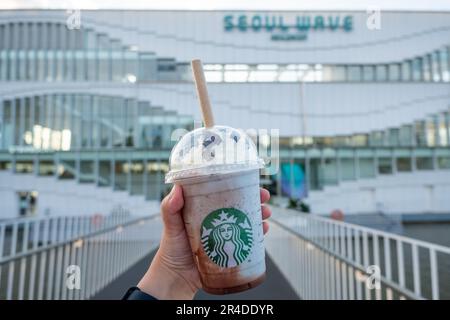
(218, 169)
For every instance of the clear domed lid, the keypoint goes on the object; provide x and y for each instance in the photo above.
(219, 149)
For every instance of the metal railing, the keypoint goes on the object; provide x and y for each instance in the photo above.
(70, 257)
(328, 259)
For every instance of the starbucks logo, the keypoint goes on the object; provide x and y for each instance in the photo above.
(227, 237)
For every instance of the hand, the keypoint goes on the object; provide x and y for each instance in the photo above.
(173, 273)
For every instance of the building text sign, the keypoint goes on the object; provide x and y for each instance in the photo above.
(292, 28)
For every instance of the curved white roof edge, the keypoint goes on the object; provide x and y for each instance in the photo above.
(289, 5)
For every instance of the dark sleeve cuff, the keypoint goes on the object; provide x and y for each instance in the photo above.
(134, 293)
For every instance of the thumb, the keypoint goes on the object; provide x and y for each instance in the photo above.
(171, 211)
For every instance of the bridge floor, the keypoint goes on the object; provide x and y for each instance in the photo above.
(275, 287)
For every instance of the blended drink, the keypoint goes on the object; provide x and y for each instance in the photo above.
(218, 169)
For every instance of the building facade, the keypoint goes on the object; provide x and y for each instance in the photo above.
(95, 96)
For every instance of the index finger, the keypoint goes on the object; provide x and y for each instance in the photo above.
(265, 195)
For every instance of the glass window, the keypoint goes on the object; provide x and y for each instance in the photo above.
(91, 65)
(76, 103)
(16, 121)
(105, 121)
(347, 169)
(12, 63)
(121, 170)
(445, 64)
(5, 165)
(420, 133)
(405, 135)
(96, 124)
(359, 140)
(131, 65)
(431, 131)
(15, 36)
(40, 65)
(435, 69)
(103, 65)
(354, 73)
(394, 72)
(38, 120)
(424, 163)
(447, 120)
(184, 72)
(7, 134)
(329, 172)
(384, 165)
(3, 65)
(426, 65)
(381, 73)
(79, 65)
(137, 178)
(366, 167)
(62, 38)
(78, 38)
(48, 36)
(442, 130)
(31, 65)
(443, 162)
(66, 170)
(46, 168)
(86, 120)
(376, 138)
(86, 171)
(403, 164)
(393, 138)
(338, 73)
(130, 118)
(417, 70)
(104, 171)
(290, 75)
(24, 167)
(52, 36)
(155, 172)
(148, 67)
(90, 40)
(59, 65)
(2, 36)
(368, 73)
(117, 65)
(34, 37)
(50, 65)
(22, 36)
(21, 65)
(8, 36)
(28, 122)
(406, 71)
(315, 181)
(118, 121)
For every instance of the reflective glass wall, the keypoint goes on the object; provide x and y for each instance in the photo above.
(47, 51)
(83, 121)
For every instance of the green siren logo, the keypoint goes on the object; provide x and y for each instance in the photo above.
(227, 237)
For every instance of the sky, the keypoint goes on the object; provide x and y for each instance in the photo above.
(420, 5)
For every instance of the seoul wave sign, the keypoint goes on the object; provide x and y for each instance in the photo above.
(283, 28)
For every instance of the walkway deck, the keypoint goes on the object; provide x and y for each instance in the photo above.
(275, 287)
